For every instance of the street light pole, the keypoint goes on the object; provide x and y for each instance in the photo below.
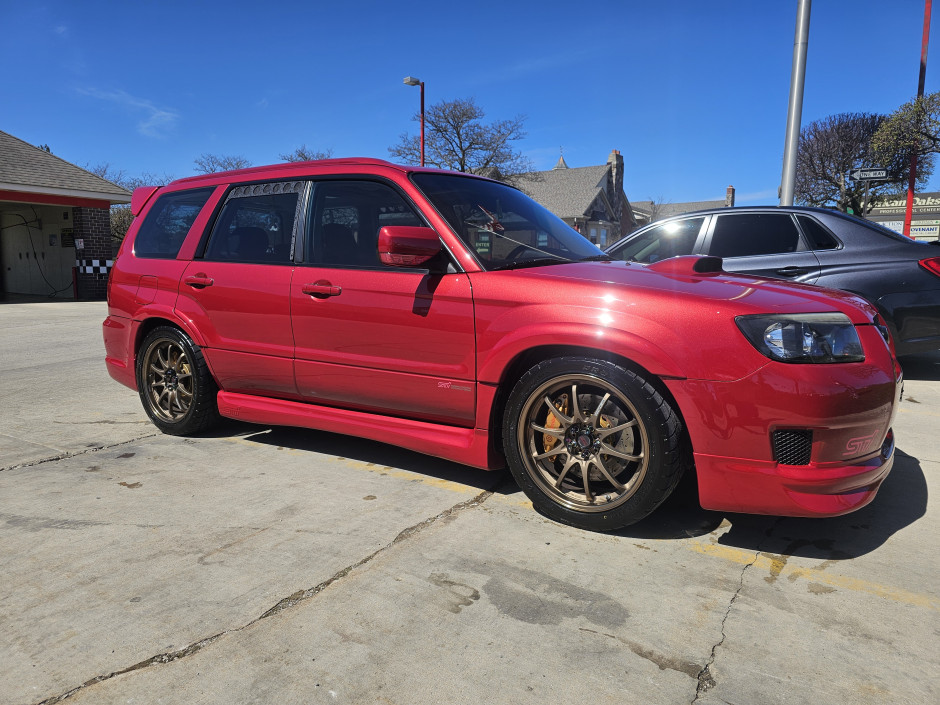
(795, 110)
(412, 81)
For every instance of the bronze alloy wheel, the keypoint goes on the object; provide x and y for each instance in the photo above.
(583, 443)
(168, 379)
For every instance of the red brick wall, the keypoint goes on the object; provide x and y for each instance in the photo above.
(93, 227)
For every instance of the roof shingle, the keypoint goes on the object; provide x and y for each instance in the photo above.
(24, 167)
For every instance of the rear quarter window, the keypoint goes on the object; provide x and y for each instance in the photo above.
(167, 223)
(818, 237)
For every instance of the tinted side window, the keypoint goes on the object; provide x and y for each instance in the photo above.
(346, 218)
(819, 238)
(754, 234)
(670, 239)
(167, 223)
(257, 224)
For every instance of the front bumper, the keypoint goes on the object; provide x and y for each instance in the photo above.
(847, 408)
(814, 490)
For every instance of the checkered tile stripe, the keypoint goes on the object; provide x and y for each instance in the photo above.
(94, 266)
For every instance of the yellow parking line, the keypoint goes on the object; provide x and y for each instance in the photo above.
(776, 566)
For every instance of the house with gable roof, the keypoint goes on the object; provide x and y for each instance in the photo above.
(589, 198)
(55, 224)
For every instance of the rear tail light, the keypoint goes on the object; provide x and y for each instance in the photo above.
(932, 265)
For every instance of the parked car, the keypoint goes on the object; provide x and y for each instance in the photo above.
(452, 315)
(899, 276)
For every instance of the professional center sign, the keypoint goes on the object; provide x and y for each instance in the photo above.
(889, 211)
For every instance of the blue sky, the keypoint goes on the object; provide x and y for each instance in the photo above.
(694, 94)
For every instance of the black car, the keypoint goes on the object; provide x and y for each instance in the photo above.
(813, 246)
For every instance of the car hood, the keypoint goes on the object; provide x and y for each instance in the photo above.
(738, 294)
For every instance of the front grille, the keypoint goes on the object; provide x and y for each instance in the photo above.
(793, 447)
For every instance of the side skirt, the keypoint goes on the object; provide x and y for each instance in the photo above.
(469, 446)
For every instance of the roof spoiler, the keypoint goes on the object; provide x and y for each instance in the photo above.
(140, 197)
(688, 265)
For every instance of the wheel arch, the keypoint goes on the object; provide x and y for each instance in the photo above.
(167, 318)
(529, 358)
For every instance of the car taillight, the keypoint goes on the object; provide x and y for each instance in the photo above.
(931, 264)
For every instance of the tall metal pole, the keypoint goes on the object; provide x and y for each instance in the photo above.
(795, 110)
(422, 122)
(912, 176)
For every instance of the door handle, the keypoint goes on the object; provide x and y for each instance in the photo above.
(198, 281)
(322, 289)
(791, 271)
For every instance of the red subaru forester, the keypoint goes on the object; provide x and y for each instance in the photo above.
(453, 315)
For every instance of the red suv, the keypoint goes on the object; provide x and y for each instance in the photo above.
(453, 315)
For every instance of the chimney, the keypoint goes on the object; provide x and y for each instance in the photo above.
(615, 187)
(729, 197)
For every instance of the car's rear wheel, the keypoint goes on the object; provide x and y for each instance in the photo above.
(591, 443)
(174, 382)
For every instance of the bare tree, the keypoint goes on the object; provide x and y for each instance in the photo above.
(834, 146)
(121, 216)
(211, 163)
(305, 154)
(456, 138)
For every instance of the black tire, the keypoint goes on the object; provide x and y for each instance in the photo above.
(603, 453)
(174, 382)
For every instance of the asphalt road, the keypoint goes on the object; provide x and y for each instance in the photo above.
(273, 565)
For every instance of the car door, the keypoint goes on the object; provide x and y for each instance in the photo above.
(238, 292)
(372, 337)
(764, 243)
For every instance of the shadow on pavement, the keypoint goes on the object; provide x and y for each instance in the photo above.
(375, 453)
(900, 502)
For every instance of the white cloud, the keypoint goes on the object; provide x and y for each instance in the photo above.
(156, 121)
(61, 30)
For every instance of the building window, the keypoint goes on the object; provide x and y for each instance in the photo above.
(594, 235)
(603, 237)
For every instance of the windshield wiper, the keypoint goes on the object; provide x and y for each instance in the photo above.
(597, 258)
(537, 262)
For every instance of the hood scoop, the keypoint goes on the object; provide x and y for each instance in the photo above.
(688, 265)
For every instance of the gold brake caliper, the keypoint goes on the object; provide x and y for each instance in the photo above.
(562, 405)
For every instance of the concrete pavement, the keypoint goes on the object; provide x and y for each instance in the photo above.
(261, 565)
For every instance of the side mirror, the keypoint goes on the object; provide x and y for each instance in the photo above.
(407, 245)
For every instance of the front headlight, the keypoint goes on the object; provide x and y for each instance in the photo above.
(803, 337)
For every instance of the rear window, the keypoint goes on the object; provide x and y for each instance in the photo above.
(257, 224)
(168, 222)
(750, 234)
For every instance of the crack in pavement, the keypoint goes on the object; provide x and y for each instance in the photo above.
(287, 602)
(74, 454)
(705, 679)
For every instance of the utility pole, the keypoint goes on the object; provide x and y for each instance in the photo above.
(912, 176)
(795, 111)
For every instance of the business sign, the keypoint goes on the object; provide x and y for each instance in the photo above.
(869, 175)
(920, 229)
(925, 203)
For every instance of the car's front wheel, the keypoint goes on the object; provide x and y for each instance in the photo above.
(174, 382)
(591, 443)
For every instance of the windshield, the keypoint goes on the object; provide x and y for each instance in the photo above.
(501, 225)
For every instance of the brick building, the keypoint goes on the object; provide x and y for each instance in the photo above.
(55, 226)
